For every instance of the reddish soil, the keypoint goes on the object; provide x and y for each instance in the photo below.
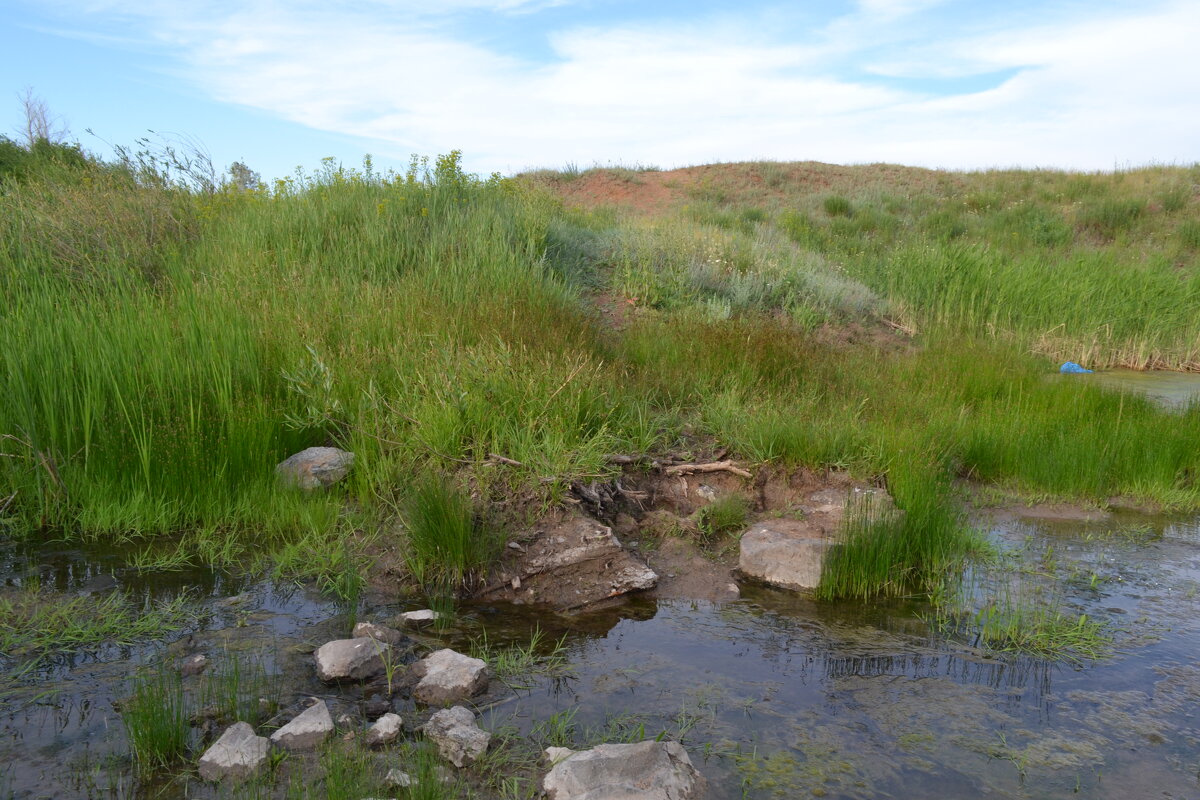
(653, 192)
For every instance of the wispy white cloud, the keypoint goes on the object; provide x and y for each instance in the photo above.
(1088, 93)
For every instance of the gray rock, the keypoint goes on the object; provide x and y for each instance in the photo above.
(350, 659)
(383, 633)
(385, 730)
(236, 756)
(398, 778)
(459, 740)
(785, 552)
(193, 665)
(308, 730)
(315, 468)
(647, 770)
(447, 677)
(418, 618)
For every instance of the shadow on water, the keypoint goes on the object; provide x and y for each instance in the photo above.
(775, 696)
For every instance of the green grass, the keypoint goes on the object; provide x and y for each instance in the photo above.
(156, 720)
(447, 543)
(539, 656)
(431, 321)
(36, 624)
(723, 517)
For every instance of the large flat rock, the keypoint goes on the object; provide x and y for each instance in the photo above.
(648, 770)
(350, 659)
(790, 553)
(573, 562)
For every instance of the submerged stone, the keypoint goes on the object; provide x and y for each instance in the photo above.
(383, 633)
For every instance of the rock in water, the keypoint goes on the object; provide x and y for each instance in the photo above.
(459, 740)
(237, 755)
(647, 770)
(385, 730)
(447, 677)
(784, 552)
(309, 728)
(193, 665)
(315, 468)
(383, 633)
(350, 659)
(418, 618)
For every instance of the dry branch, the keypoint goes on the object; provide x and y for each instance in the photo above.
(715, 466)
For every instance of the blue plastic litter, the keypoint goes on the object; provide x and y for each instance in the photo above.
(1071, 366)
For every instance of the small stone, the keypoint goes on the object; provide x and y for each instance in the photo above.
(310, 727)
(459, 740)
(516, 583)
(734, 589)
(350, 659)
(398, 778)
(193, 665)
(418, 618)
(381, 633)
(516, 546)
(315, 468)
(236, 756)
(447, 677)
(385, 730)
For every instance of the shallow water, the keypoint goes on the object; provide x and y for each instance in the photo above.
(775, 696)
(1170, 389)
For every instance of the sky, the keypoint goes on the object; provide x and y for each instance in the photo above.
(523, 84)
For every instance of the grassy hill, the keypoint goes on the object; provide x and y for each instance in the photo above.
(165, 344)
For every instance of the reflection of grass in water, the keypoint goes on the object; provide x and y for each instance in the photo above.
(1018, 613)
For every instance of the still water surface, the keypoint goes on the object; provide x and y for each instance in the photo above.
(775, 696)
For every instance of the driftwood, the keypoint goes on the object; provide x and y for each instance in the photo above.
(715, 466)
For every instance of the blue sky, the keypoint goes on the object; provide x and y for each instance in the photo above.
(518, 84)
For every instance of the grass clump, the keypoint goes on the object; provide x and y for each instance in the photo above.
(1111, 216)
(724, 516)
(539, 656)
(895, 554)
(447, 543)
(157, 720)
(837, 206)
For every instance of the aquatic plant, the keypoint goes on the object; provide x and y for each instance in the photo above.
(156, 719)
(36, 623)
